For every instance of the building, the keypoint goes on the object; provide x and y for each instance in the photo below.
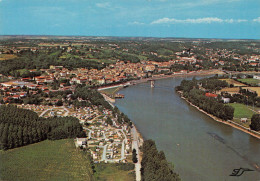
(211, 95)
(226, 100)
(81, 142)
(256, 77)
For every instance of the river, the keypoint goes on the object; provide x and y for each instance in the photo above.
(199, 147)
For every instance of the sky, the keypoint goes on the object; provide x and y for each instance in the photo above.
(230, 19)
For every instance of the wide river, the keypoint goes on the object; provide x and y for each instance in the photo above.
(199, 147)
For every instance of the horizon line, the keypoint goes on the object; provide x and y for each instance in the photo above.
(166, 37)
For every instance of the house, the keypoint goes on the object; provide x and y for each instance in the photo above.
(226, 100)
(211, 95)
(243, 120)
(256, 77)
(81, 142)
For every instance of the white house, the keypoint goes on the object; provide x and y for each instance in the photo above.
(226, 100)
(81, 141)
(256, 77)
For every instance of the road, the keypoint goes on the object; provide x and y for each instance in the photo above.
(65, 114)
(104, 158)
(89, 133)
(135, 145)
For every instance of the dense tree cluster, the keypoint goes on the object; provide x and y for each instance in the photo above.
(39, 60)
(89, 97)
(245, 97)
(154, 164)
(197, 97)
(134, 156)
(121, 117)
(213, 84)
(255, 122)
(20, 127)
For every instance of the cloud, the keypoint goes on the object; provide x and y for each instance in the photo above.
(103, 5)
(196, 21)
(136, 23)
(241, 20)
(257, 20)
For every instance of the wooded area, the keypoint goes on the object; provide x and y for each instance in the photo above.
(20, 127)
(154, 164)
(197, 97)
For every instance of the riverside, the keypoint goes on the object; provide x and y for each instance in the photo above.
(199, 147)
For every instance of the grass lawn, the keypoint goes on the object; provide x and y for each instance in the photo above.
(111, 91)
(112, 172)
(250, 81)
(47, 160)
(242, 111)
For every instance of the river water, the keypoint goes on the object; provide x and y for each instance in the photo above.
(199, 147)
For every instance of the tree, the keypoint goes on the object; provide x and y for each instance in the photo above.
(109, 121)
(154, 164)
(134, 156)
(255, 122)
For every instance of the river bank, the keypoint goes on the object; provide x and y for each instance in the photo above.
(194, 73)
(137, 141)
(158, 77)
(229, 122)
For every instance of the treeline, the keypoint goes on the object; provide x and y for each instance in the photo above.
(213, 84)
(213, 106)
(245, 97)
(255, 122)
(20, 127)
(88, 97)
(155, 166)
(43, 60)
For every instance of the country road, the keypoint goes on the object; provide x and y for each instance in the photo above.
(135, 145)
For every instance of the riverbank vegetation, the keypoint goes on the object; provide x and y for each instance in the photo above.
(255, 122)
(154, 164)
(20, 127)
(212, 105)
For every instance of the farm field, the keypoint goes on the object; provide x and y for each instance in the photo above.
(256, 89)
(250, 81)
(7, 56)
(47, 160)
(235, 83)
(113, 172)
(232, 90)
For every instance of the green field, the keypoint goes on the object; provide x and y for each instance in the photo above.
(47, 160)
(112, 172)
(111, 91)
(242, 111)
(250, 81)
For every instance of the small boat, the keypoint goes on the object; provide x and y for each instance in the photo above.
(119, 96)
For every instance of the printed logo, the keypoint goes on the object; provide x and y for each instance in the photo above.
(238, 172)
